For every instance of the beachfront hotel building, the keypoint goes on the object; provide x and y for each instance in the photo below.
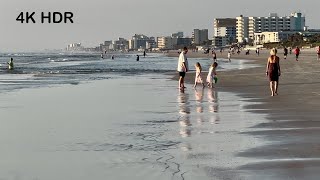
(200, 36)
(224, 27)
(74, 47)
(219, 41)
(247, 26)
(173, 42)
(165, 42)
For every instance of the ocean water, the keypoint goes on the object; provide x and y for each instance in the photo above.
(87, 118)
(45, 69)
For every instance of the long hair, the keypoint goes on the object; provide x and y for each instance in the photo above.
(198, 66)
(214, 65)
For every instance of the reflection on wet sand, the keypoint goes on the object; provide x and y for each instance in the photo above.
(199, 98)
(213, 100)
(213, 106)
(184, 111)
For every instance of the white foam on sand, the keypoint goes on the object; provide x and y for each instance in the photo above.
(137, 127)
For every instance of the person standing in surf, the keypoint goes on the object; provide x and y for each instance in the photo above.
(182, 67)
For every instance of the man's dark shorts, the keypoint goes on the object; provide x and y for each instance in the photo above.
(182, 74)
(297, 56)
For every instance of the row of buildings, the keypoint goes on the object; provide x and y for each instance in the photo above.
(259, 30)
(142, 42)
(226, 31)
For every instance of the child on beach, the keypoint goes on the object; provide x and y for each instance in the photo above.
(229, 56)
(198, 78)
(212, 75)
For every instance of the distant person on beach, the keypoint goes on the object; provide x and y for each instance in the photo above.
(198, 78)
(102, 56)
(297, 53)
(212, 75)
(112, 57)
(318, 53)
(182, 67)
(229, 56)
(10, 64)
(221, 51)
(138, 57)
(285, 53)
(273, 71)
(214, 56)
(290, 50)
(144, 54)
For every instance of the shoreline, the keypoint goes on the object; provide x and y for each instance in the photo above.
(293, 114)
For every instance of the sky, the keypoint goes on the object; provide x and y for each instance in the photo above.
(96, 21)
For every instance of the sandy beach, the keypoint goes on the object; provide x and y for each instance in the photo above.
(293, 126)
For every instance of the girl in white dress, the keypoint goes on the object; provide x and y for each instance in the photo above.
(211, 75)
(198, 78)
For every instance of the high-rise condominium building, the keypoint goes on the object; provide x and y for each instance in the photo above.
(225, 27)
(247, 26)
(200, 36)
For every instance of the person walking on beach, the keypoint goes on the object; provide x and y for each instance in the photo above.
(285, 53)
(182, 67)
(214, 56)
(273, 71)
(297, 53)
(198, 78)
(138, 57)
(229, 56)
(10, 64)
(212, 75)
(318, 53)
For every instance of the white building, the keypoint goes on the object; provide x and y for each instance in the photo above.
(247, 26)
(74, 47)
(165, 42)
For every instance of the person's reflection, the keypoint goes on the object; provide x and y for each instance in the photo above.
(213, 100)
(185, 126)
(199, 97)
(184, 111)
(213, 106)
(183, 101)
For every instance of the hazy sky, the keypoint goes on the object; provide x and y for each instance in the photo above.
(98, 20)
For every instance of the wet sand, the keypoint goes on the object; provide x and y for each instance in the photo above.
(293, 126)
(137, 127)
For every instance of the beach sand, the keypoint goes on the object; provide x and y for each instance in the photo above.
(293, 126)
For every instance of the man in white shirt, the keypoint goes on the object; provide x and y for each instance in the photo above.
(182, 67)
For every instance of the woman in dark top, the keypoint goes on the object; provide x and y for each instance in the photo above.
(273, 71)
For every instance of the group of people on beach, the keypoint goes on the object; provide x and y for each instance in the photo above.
(183, 67)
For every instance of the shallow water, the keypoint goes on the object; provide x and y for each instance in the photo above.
(125, 127)
(46, 69)
(77, 116)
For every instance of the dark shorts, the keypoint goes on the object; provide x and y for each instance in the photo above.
(182, 74)
(297, 55)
